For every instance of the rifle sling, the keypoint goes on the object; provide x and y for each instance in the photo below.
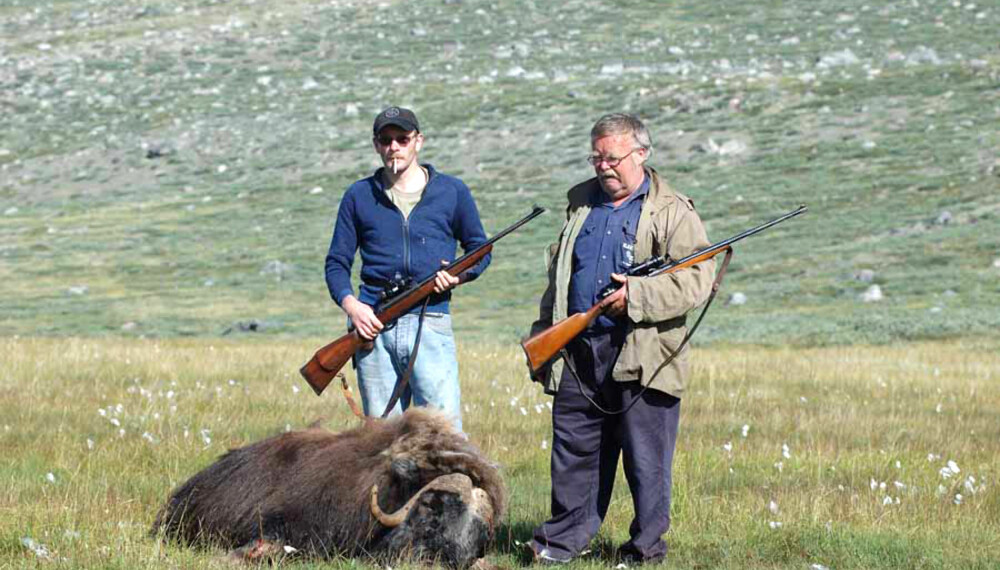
(404, 380)
(715, 289)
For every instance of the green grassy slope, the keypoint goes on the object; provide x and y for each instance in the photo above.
(175, 167)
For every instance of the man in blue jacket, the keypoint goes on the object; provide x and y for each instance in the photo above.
(407, 219)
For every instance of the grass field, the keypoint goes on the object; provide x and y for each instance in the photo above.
(847, 457)
(170, 171)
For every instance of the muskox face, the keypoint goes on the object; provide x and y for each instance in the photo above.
(448, 521)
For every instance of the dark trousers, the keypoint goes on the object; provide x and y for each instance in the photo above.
(586, 445)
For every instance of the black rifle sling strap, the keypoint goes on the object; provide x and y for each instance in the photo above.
(715, 289)
(404, 380)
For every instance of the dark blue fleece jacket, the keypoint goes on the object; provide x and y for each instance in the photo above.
(391, 244)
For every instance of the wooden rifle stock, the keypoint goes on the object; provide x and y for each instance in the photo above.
(543, 347)
(327, 362)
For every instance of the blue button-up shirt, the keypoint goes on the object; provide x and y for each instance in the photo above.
(605, 245)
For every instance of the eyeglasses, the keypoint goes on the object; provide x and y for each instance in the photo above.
(596, 160)
(386, 140)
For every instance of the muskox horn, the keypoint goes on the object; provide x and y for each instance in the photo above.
(458, 483)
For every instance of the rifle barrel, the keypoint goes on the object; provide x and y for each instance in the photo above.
(728, 242)
(535, 212)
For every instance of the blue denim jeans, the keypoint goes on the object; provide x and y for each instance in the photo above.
(434, 381)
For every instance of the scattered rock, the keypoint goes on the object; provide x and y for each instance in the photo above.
(351, 110)
(921, 55)
(277, 268)
(10, 211)
(77, 290)
(737, 299)
(838, 59)
(158, 150)
(944, 218)
(253, 325)
(872, 295)
(612, 69)
(996, 263)
(732, 148)
(728, 148)
(130, 326)
(950, 293)
(864, 276)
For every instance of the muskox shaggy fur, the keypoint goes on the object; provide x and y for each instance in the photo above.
(312, 490)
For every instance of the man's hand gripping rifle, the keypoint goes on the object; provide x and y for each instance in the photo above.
(545, 346)
(328, 361)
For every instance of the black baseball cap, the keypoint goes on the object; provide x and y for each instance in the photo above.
(398, 116)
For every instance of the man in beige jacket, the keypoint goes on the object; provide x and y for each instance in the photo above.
(622, 216)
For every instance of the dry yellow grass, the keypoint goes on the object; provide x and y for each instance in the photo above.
(787, 457)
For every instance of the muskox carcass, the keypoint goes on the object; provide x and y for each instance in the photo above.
(408, 487)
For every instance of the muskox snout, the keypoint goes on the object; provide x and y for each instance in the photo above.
(449, 521)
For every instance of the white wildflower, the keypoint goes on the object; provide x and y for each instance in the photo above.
(779, 466)
(746, 429)
(785, 452)
(949, 470)
(728, 446)
(774, 524)
(545, 444)
(50, 477)
(36, 548)
(958, 498)
(90, 443)
(887, 500)
(773, 507)
(295, 389)
(970, 484)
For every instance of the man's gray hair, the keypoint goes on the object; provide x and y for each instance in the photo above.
(622, 124)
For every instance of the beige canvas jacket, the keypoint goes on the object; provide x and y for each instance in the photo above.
(668, 224)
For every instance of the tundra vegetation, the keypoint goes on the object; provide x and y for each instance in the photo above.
(172, 168)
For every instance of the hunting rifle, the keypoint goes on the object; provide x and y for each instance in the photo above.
(544, 346)
(328, 361)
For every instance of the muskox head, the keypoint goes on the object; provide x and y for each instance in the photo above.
(405, 487)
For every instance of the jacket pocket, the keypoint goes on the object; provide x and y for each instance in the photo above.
(671, 334)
